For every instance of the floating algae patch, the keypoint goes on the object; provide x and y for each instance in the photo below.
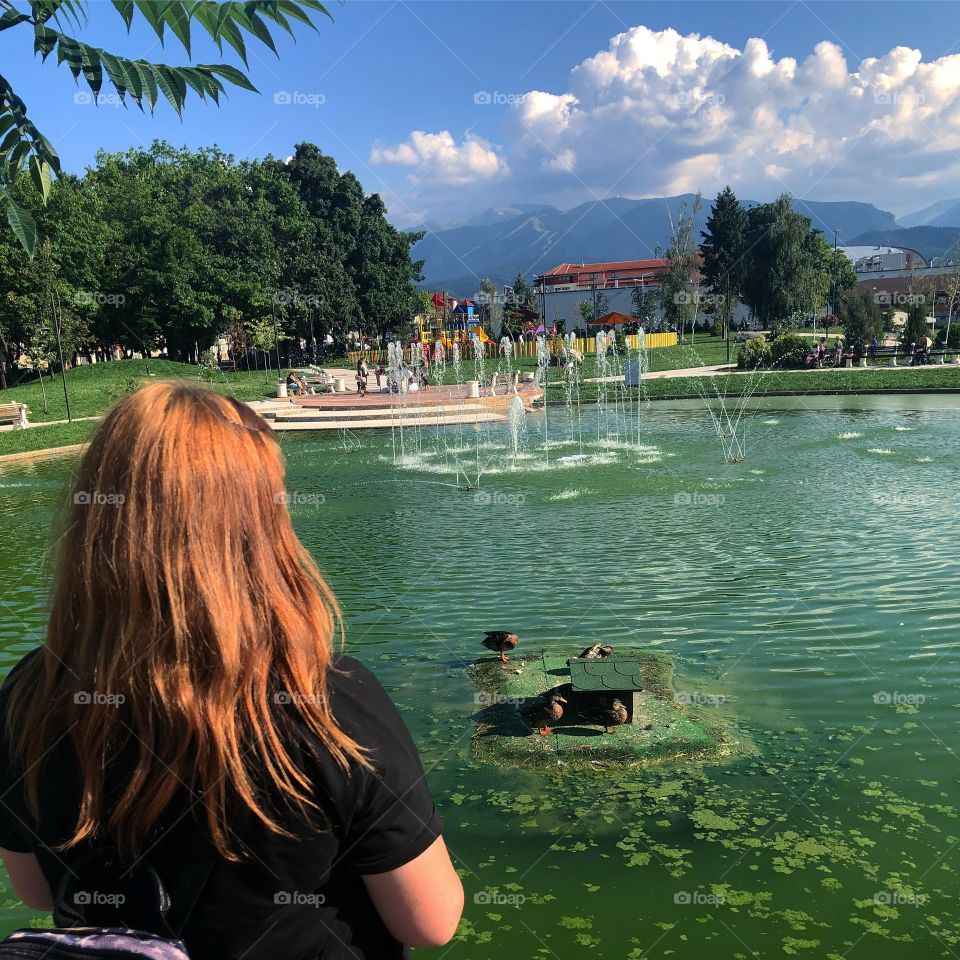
(663, 730)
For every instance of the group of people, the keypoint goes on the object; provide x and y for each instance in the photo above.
(823, 355)
(406, 378)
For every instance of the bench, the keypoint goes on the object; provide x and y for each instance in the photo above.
(15, 413)
(317, 380)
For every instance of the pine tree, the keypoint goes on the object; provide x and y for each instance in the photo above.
(722, 250)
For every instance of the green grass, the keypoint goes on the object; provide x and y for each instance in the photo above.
(46, 437)
(94, 389)
(874, 380)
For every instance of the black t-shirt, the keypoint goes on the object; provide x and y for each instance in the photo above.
(296, 898)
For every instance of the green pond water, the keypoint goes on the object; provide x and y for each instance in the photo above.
(810, 596)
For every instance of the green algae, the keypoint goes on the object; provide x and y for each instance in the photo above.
(665, 731)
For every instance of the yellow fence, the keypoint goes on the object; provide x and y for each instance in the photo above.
(528, 348)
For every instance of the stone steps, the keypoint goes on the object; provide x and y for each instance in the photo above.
(475, 416)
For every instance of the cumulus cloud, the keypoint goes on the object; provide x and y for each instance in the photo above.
(437, 157)
(658, 111)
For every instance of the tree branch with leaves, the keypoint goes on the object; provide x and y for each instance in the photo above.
(24, 148)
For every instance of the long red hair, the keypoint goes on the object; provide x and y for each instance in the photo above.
(187, 619)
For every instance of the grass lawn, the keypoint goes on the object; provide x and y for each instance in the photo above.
(876, 379)
(44, 438)
(93, 389)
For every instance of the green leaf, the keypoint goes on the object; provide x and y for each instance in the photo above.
(234, 36)
(40, 172)
(153, 11)
(21, 222)
(230, 74)
(125, 9)
(172, 85)
(179, 22)
(12, 18)
(44, 40)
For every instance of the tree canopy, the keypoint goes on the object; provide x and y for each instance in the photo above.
(171, 246)
(24, 148)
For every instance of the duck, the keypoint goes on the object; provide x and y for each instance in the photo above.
(544, 711)
(616, 715)
(596, 652)
(501, 642)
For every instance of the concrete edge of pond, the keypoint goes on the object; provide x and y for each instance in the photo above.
(45, 453)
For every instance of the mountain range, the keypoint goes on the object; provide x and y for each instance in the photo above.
(529, 238)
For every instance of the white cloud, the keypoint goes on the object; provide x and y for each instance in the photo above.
(657, 110)
(438, 158)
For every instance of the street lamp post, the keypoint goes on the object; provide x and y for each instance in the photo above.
(833, 307)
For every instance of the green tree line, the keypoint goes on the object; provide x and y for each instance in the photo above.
(167, 248)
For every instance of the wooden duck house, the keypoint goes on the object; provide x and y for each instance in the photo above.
(595, 684)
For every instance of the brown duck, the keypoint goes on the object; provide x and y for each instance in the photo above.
(501, 642)
(616, 715)
(596, 652)
(541, 713)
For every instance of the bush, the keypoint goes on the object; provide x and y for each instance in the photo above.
(789, 351)
(754, 353)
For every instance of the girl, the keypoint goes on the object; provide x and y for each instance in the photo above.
(188, 712)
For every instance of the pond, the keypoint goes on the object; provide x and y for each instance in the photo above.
(810, 596)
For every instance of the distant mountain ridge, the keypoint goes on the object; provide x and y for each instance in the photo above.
(930, 241)
(530, 238)
(943, 213)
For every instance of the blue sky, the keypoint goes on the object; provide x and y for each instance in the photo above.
(450, 107)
